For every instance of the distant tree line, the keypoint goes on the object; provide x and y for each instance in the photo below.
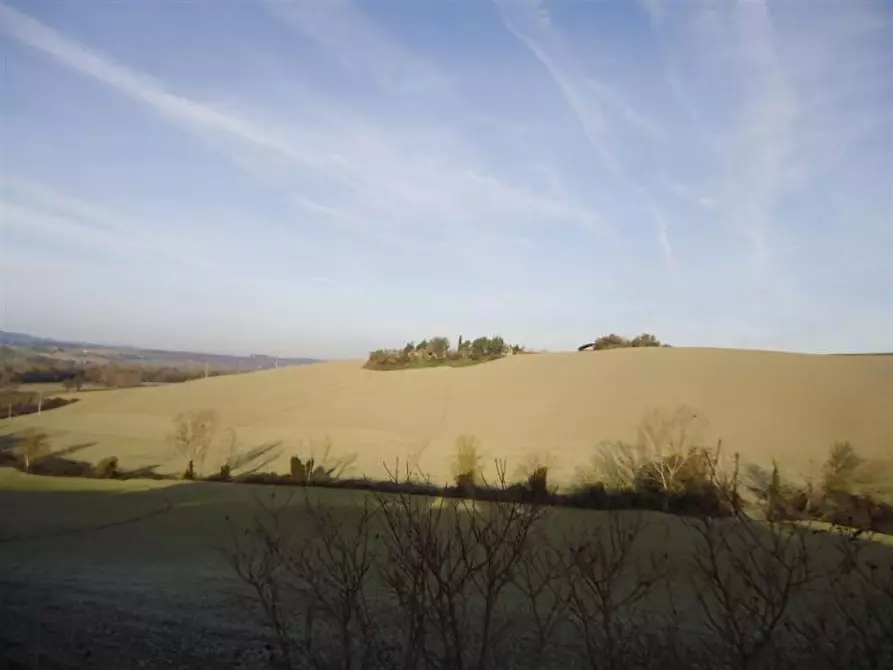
(437, 351)
(614, 341)
(15, 403)
(73, 376)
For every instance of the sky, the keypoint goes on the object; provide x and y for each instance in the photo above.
(326, 177)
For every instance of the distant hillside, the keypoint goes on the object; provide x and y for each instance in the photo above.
(23, 344)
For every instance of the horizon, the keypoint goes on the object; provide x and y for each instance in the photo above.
(320, 180)
(248, 353)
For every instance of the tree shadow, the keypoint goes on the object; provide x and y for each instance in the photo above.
(144, 472)
(56, 462)
(257, 457)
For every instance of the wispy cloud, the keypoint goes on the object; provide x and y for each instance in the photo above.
(656, 11)
(138, 86)
(530, 23)
(360, 44)
(766, 138)
(663, 236)
(372, 171)
(375, 185)
(41, 213)
(603, 112)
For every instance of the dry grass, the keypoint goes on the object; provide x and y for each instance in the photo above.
(763, 405)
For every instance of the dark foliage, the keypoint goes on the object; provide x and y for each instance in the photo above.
(436, 351)
(834, 501)
(107, 468)
(17, 403)
(614, 341)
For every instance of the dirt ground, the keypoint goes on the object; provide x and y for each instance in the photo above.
(764, 405)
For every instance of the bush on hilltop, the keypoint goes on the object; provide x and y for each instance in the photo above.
(436, 351)
(614, 341)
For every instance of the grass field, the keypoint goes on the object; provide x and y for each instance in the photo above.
(765, 405)
(136, 569)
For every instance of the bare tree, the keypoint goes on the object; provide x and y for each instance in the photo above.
(34, 446)
(192, 436)
(394, 583)
(616, 465)
(606, 584)
(668, 442)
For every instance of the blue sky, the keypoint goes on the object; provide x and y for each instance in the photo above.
(321, 178)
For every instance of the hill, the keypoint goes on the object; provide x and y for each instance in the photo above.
(21, 346)
(765, 405)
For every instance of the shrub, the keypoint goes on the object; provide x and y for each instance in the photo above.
(298, 470)
(839, 472)
(320, 467)
(611, 341)
(534, 472)
(836, 501)
(107, 468)
(614, 341)
(466, 465)
(537, 482)
(645, 340)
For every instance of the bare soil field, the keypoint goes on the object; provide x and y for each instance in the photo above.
(765, 405)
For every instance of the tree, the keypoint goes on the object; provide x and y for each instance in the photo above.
(464, 348)
(480, 347)
(439, 347)
(644, 340)
(612, 341)
(192, 436)
(496, 346)
(34, 447)
(839, 472)
(670, 445)
(68, 384)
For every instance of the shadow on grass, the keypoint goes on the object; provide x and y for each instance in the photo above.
(173, 516)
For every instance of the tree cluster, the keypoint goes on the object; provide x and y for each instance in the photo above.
(437, 351)
(614, 341)
(847, 490)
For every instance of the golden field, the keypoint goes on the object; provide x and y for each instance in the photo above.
(764, 405)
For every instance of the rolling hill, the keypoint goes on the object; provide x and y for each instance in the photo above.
(765, 405)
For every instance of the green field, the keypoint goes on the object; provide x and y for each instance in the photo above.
(87, 565)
